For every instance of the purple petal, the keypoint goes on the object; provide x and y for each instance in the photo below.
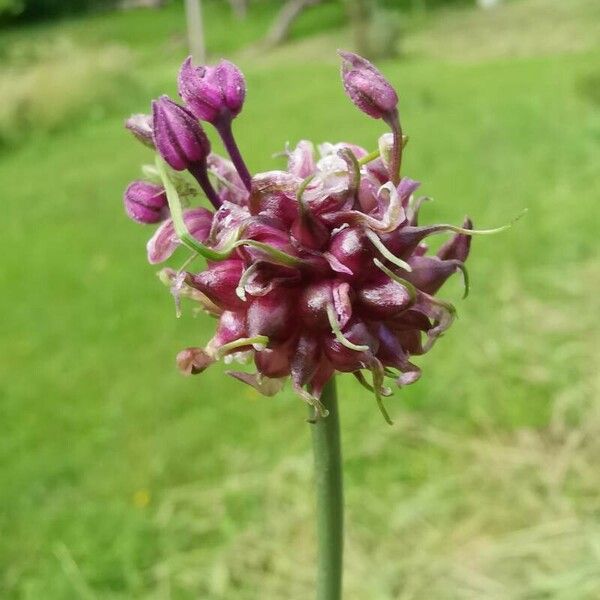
(165, 241)
(229, 184)
(430, 273)
(458, 246)
(263, 385)
(322, 375)
(232, 84)
(301, 160)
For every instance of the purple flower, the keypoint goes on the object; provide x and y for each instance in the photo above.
(165, 241)
(368, 89)
(178, 136)
(301, 160)
(212, 93)
(318, 268)
(145, 202)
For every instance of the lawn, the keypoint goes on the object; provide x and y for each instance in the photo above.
(121, 479)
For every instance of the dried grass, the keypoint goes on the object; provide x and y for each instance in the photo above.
(59, 81)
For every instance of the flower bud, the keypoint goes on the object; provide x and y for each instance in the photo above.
(367, 87)
(145, 202)
(192, 361)
(140, 126)
(212, 93)
(178, 136)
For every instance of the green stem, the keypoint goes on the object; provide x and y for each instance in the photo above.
(369, 158)
(330, 504)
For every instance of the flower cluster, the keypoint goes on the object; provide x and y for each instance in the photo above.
(318, 268)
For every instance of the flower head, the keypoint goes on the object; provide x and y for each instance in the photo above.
(318, 268)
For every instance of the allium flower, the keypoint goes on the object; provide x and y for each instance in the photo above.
(212, 93)
(145, 202)
(318, 268)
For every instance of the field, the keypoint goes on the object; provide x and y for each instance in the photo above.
(121, 479)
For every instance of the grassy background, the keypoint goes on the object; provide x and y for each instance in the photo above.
(120, 479)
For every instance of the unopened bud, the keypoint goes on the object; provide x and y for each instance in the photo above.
(368, 89)
(212, 93)
(178, 136)
(145, 202)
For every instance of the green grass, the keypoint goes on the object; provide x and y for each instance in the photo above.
(119, 479)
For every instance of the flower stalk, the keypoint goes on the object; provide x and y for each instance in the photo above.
(226, 134)
(396, 159)
(198, 170)
(329, 496)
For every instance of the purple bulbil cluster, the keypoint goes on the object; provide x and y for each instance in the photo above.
(318, 268)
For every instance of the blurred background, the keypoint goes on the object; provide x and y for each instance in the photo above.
(121, 479)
